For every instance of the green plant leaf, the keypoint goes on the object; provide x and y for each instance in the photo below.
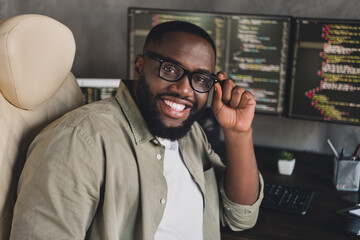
(285, 155)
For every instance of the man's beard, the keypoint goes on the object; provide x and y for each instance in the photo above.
(148, 107)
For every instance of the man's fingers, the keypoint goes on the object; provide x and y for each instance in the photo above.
(236, 97)
(230, 94)
(247, 99)
(216, 102)
(227, 89)
(221, 75)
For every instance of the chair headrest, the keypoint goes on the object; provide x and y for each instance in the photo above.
(36, 55)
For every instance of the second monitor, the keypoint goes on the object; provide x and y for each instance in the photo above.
(326, 71)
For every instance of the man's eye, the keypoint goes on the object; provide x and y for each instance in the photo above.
(169, 68)
(201, 78)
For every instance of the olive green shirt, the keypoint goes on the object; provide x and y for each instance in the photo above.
(97, 173)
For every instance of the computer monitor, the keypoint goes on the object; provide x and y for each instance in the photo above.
(325, 82)
(252, 49)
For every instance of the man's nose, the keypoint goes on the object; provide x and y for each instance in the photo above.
(183, 87)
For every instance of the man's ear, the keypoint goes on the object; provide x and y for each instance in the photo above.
(139, 63)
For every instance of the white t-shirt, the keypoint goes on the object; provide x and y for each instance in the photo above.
(183, 215)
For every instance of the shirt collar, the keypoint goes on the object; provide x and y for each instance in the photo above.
(133, 115)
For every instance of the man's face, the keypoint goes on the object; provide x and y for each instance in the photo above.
(170, 108)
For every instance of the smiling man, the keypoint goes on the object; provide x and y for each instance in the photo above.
(138, 166)
(170, 109)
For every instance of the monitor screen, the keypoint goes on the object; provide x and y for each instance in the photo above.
(325, 82)
(252, 49)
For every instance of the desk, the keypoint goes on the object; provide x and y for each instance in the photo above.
(313, 171)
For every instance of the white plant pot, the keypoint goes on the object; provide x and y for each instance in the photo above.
(286, 167)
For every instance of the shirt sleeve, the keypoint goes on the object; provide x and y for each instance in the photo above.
(239, 217)
(236, 216)
(59, 187)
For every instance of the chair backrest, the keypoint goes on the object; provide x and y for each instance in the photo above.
(36, 87)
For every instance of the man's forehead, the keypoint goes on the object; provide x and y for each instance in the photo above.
(179, 45)
(179, 39)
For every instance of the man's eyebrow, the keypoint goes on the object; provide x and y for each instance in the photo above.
(170, 59)
(203, 71)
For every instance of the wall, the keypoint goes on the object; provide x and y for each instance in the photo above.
(100, 26)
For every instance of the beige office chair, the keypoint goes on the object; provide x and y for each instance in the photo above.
(36, 87)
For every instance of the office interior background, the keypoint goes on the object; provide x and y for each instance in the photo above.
(100, 31)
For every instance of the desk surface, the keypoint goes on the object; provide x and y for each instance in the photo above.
(312, 171)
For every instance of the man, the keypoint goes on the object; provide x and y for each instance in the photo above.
(137, 166)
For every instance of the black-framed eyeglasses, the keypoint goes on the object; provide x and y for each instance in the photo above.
(171, 71)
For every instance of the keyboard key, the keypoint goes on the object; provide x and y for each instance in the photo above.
(286, 199)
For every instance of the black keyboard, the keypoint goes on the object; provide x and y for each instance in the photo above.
(286, 199)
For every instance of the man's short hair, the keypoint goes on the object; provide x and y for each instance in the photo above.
(177, 26)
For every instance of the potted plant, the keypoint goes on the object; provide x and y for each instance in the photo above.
(286, 163)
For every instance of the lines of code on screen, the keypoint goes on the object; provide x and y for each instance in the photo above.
(326, 71)
(258, 55)
(252, 49)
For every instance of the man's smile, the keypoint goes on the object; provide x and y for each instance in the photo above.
(175, 106)
(174, 110)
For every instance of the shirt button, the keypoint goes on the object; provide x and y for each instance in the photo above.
(158, 156)
(156, 141)
(162, 201)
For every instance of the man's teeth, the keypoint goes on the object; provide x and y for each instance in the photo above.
(175, 106)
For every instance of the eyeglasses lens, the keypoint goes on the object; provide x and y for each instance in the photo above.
(170, 71)
(202, 82)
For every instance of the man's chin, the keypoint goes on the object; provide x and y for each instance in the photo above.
(173, 123)
(172, 130)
